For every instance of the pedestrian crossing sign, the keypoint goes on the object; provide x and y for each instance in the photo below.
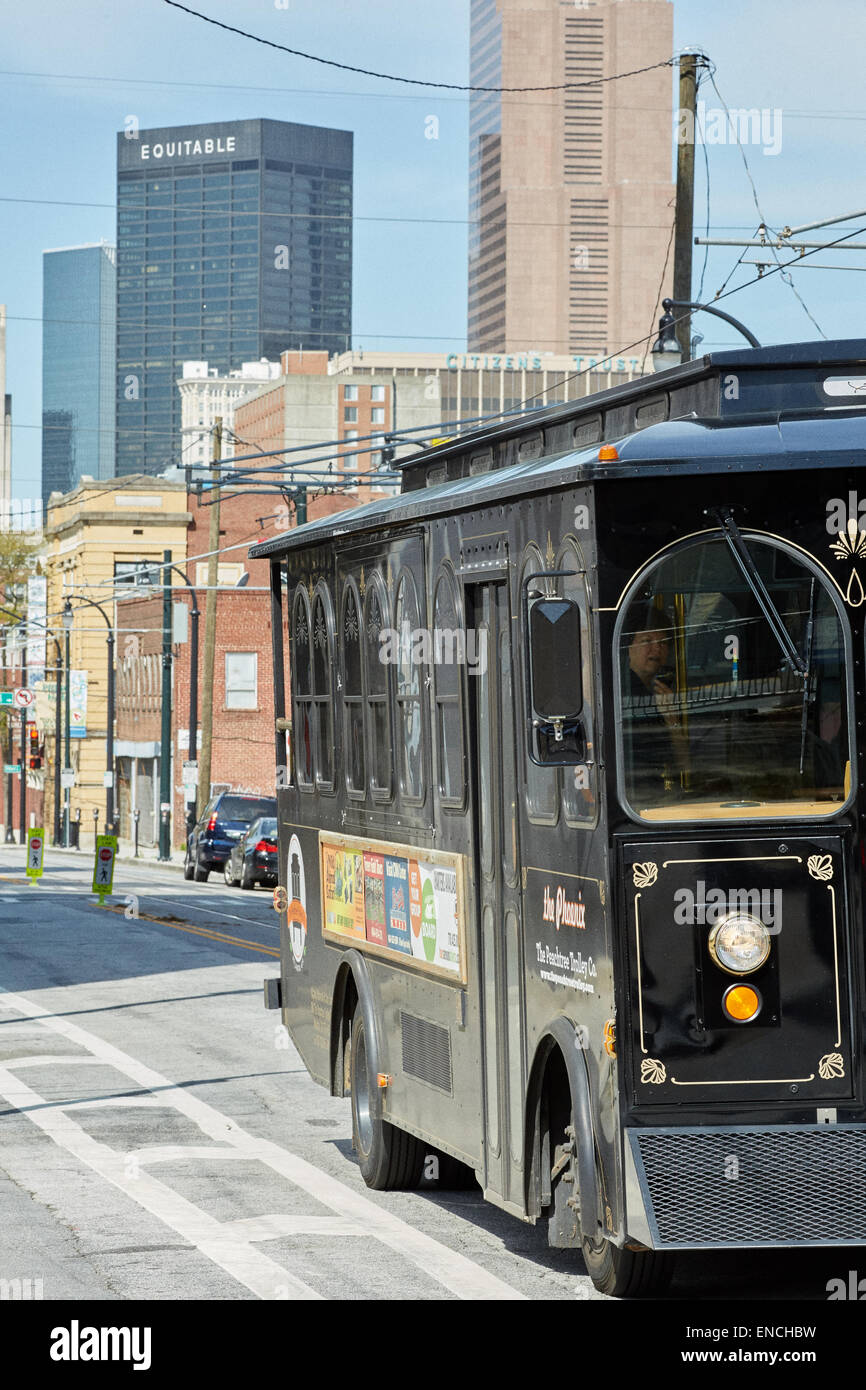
(103, 865)
(35, 852)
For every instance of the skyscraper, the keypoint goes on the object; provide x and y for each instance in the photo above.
(78, 308)
(570, 191)
(234, 243)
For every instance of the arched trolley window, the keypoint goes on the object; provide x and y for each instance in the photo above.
(448, 629)
(734, 698)
(353, 693)
(302, 689)
(377, 690)
(322, 632)
(410, 668)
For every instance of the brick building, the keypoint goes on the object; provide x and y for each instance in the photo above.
(242, 756)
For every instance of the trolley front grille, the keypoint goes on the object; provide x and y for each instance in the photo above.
(803, 1185)
(426, 1051)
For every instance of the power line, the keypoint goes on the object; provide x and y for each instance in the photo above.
(659, 291)
(93, 78)
(786, 278)
(411, 81)
(194, 210)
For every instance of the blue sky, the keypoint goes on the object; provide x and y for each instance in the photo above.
(94, 63)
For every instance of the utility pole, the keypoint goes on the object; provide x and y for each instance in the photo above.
(67, 731)
(165, 797)
(22, 777)
(684, 224)
(58, 695)
(210, 610)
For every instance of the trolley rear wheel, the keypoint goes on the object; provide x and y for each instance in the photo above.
(623, 1273)
(389, 1158)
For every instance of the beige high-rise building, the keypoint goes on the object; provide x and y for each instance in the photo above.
(571, 198)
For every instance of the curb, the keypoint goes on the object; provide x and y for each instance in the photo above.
(124, 858)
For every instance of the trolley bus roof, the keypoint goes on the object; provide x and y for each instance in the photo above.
(816, 441)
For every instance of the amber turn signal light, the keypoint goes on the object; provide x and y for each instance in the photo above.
(742, 1003)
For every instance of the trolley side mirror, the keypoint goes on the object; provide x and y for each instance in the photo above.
(555, 681)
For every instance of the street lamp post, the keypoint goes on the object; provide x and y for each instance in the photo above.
(22, 776)
(10, 833)
(194, 615)
(67, 754)
(57, 706)
(666, 350)
(10, 837)
(109, 740)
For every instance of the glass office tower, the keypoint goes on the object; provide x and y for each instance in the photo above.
(234, 243)
(78, 345)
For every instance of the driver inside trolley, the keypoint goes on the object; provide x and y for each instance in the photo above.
(716, 719)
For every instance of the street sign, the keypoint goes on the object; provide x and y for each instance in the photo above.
(23, 697)
(11, 767)
(67, 777)
(108, 779)
(189, 777)
(103, 865)
(35, 852)
(6, 697)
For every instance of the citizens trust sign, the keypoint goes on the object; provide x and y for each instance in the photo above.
(176, 149)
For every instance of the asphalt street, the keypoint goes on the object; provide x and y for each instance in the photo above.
(161, 1139)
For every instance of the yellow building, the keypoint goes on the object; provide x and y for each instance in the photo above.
(96, 539)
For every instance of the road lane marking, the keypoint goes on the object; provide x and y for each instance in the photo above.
(214, 911)
(211, 935)
(278, 1225)
(51, 1059)
(455, 1272)
(250, 1267)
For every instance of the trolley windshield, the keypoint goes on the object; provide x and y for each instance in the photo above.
(723, 717)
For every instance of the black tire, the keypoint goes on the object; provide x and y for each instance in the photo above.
(199, 874)
(187, 866)
(247, 880)
(454, 1176)
(389, 1158)
(229, 877)
(623, 1273)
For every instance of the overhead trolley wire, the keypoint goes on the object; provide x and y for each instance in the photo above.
(411, 81)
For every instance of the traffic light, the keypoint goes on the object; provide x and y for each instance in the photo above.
(35, 761)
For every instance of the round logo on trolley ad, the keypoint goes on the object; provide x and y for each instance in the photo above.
(296, 913)
(560, 954)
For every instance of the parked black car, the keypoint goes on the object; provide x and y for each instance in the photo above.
(254, 856)
(223, 821)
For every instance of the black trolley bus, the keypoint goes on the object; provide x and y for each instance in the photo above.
(570, 808)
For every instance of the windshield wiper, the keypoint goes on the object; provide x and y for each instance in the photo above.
(749, 571)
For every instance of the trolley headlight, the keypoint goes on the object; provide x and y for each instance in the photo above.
(739, 943)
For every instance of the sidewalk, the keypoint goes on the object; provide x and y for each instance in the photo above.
(147, 854)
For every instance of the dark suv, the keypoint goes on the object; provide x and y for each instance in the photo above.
(222, 822)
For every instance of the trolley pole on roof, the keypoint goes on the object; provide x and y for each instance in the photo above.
(684, 223)
(210, 605)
